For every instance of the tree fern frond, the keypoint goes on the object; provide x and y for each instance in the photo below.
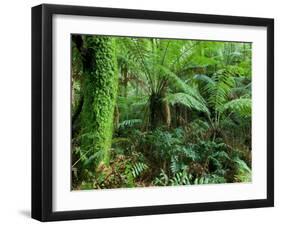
(219, 91)
(204, 78)
(241, 106)
(186, 100)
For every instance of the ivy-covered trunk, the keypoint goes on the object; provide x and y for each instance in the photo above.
(99, 87)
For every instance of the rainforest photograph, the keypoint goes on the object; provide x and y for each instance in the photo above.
(150, 111)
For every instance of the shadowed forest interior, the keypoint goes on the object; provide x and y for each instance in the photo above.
(159, 112)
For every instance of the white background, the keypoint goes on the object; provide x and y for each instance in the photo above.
(15, 112)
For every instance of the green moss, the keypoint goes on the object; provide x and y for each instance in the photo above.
(100, 89)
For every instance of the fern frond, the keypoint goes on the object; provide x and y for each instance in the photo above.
(138, 168)
(129, 123)
(204, 78)
(180, 178)
(243, 172)
(217, 88)
(241, 106)
(162, 179)
(186, 100)
(176, 165)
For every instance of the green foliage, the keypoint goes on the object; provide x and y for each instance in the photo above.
(121, 172)
(129, 123)
(159, 112)
(241, 106)
(219, 89)
(138, 168)
(243, 171)
(100, 91)
(186, 100)
(180, 178)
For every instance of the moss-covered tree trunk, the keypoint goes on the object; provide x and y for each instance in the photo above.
(99, 87)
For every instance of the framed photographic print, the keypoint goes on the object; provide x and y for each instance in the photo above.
(146, 112)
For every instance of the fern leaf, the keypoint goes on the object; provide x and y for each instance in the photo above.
(204, 78)
(129, 123)
(242, 106)
(219, 88)
(186, 100)
(138, 169)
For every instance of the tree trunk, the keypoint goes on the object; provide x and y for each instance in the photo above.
(99, 87)
(159, 111)
(126, 80)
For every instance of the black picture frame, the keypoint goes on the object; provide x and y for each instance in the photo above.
(42, 111)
